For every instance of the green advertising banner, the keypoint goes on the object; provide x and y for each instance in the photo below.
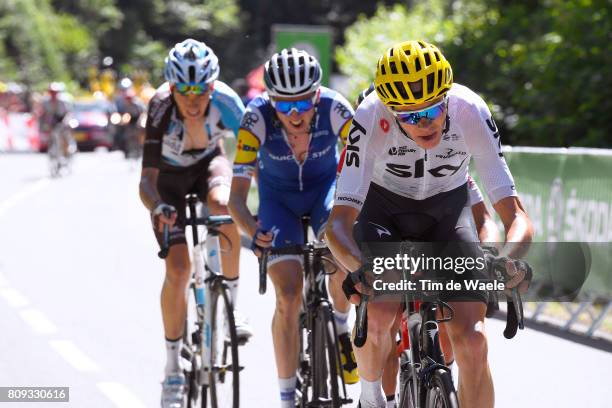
(316, 40)
(568, 196)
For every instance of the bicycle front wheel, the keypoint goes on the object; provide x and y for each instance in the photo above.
(225, 370)
(441, 393)
(325, 359)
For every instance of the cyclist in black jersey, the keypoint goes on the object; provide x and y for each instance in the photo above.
(183, 153)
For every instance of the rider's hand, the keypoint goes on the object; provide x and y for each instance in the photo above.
(164, 214)
(262, 239)
(518, 275)
(355, 284)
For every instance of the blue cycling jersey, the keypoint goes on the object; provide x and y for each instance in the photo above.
(262, 141)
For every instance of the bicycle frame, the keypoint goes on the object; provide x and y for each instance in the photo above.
(203, 272)
(314, 295)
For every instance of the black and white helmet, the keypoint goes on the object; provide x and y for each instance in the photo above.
(292, 72)
(191, 62)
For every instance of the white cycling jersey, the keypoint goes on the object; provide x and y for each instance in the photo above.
(379, 151)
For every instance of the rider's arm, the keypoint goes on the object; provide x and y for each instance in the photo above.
(362, 150)
(151, 159)
(341, 116)
(230, 105)
(339, 236)
(148, 188)
(238, 205)
(244, 168)
(483, 141)
(518, 226)
(485, 226)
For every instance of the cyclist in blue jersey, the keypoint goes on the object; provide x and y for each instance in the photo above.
(291, 134)
(183, 152)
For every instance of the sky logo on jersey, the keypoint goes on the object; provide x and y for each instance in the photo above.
(493, 126)
(352, 150)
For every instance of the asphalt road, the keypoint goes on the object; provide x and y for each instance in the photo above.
(79, 302)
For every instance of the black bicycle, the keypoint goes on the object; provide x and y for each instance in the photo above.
(320, 381)
(211, 347)
(425, 380)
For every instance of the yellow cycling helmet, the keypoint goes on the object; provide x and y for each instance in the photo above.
(408, 62)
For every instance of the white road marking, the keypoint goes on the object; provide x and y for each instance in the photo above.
(120, 395)
(14, 297)
(22, 195)
(3, 281)
(75, 357)
(38, 321)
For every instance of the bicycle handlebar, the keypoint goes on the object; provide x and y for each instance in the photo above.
(165, 246)
(310, 247)
(212, 221)
(514, 316)
(361, 322)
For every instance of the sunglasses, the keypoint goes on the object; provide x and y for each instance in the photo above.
(300, 106)
(413, 117)
(191, 89)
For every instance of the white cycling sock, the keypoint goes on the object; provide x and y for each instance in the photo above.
(390, 401)
(287, 391)
(454, 372)
(233, 287)
(371, 394)
(173, 353)
(341, 321)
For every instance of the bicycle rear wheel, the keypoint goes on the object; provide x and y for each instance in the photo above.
(441, 393)
(225, 369)
(325, 359)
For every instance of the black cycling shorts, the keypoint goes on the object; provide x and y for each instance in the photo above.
(173, 184)
(443, 221)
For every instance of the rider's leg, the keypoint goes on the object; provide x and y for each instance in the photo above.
(286, 275)
(342, 306)
(389, 378)
(320, 211)
(218, 183)
(174, 302)
(447, 346)
(372, 356)
(469, 341)
(342, 309)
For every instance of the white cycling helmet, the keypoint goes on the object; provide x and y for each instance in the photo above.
(292, 72)
(191, 62)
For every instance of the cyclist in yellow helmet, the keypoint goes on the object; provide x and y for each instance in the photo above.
(405, 177)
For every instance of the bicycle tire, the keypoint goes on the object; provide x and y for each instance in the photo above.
(193, 392)
(407, 396)
(441, 393)
(225, 368)
(325, 361)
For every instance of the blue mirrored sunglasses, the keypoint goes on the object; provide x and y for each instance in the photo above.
(195, 89)
(413, 117)
(301, 106)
